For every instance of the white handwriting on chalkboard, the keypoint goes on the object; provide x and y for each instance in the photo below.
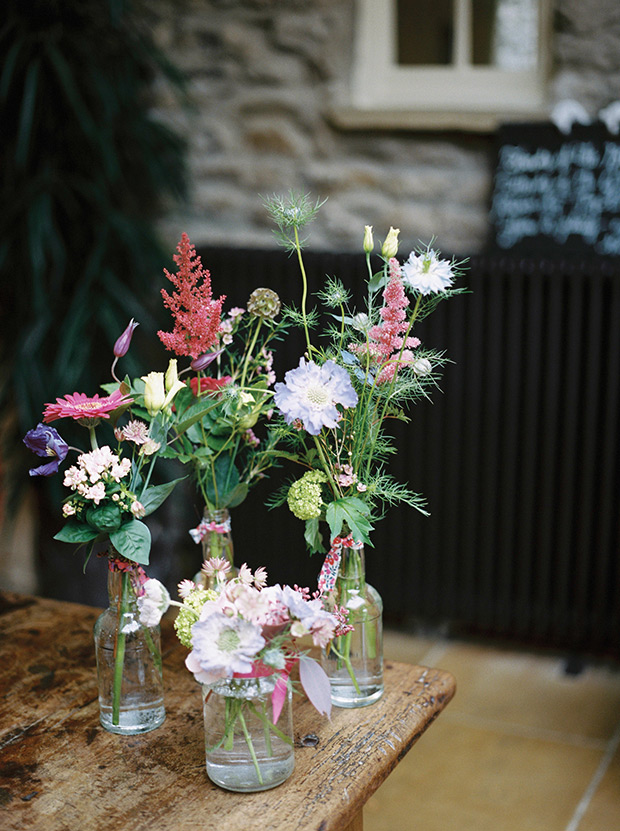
(573, 191)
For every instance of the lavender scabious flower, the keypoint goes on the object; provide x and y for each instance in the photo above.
(46, 442)
(310, 393)
(121, 347)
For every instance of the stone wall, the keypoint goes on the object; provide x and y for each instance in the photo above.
(262, 79)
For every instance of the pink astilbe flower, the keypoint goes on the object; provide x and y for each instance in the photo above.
(386, 338)
(196, 315)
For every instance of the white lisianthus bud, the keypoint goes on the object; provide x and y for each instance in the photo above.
(154, 392)
(390, 244)
(422, 366)
(369, 242)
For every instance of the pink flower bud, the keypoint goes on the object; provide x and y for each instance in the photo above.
(121, 347)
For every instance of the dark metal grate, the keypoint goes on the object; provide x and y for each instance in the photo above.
(518, 456)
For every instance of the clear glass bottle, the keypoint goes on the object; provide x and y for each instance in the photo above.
(354, 662)
(244, 750)
(129, 670)
(216, 542)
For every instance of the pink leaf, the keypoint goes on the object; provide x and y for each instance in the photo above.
(316, 685)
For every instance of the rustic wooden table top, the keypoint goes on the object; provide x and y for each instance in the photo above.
(59, 769)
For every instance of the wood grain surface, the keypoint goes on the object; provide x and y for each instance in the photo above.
(60, 770)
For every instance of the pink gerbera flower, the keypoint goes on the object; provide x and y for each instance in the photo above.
(79, 406)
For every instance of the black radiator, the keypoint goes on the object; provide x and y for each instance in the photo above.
(518, 455)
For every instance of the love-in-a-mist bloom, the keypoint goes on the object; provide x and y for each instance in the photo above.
(47, 443)
(81, 407)
(311, 392)
(427, 273)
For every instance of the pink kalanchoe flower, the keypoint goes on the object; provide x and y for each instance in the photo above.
(196, 315)
(80, 407)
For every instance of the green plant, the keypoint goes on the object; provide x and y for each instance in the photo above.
(86, 169)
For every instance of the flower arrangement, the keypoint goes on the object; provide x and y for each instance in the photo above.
(110, 489)
(338, 402)
(336, 407)
(231, 378)
(244, 629)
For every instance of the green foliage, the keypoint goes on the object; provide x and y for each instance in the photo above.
(86, 169)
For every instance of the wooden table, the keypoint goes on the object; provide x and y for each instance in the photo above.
(60, 770)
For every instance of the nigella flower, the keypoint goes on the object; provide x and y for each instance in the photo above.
(426, 273)
(310, 393)
(221, 646)
(46, 442)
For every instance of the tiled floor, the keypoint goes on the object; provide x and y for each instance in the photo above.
(522, 747)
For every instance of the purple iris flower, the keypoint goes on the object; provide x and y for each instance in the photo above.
(45, 441)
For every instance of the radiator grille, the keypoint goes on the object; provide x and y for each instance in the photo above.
(518, 456)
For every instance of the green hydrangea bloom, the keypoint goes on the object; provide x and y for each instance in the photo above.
(190, 612)
(304, 496)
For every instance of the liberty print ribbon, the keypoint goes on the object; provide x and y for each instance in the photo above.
(331, 565)
(200, 532)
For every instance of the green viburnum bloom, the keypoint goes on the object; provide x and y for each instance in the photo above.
(190, 612)
(304, 496)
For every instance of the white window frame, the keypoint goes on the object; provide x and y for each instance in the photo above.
(383, 93)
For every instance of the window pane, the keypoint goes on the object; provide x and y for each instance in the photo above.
(425, 32)
(505, 33)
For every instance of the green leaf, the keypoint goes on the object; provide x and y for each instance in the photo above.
(76, 532)
(352, 512)
(223, 481)
(313, 536)
(104, 518)
(133, 541)
(193, 414)
(156, 495)
(377, 281)
(237, 495)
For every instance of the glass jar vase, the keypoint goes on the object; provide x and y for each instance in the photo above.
(245, 750)
(129, 666)
(354, 662)
(215, 536)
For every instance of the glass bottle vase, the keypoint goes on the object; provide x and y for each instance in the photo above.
(244, 750)
(129, 667)
(354, 661)
(216, 541)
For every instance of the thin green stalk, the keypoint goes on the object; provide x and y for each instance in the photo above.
(249, 351)
(304, 294)
(250, 745)
(119, 657)
(93, 438)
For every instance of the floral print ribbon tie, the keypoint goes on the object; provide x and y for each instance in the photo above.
(200, 532)
(331, 565)
(259, 670)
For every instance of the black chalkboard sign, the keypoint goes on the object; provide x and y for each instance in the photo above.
(557, 194)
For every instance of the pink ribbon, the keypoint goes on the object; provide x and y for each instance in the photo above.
(200, 532)
(331, 564)
(278, 696)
